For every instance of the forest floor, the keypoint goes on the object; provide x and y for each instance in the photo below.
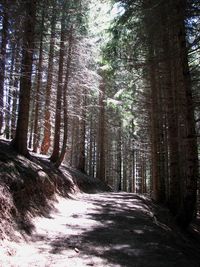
(51, 217)
(104, 229)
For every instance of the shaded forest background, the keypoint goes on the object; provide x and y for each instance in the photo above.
(111, 89)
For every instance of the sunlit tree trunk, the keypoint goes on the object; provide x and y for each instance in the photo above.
(5, 24)
(82, 132)
(74, 143)
(15, 91)
(56, 144)
(101, 134)
(90, 141)
(46, 142)
(32, 114)
(36, 135)
(9, 95)
(65, 101)
(119, 158)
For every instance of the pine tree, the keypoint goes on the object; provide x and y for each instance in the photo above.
(20, 140)
(46, 142)
(56, 143)
(3, 59)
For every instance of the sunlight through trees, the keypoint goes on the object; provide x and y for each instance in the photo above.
(110, 88)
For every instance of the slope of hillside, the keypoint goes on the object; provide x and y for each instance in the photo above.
(28, 188)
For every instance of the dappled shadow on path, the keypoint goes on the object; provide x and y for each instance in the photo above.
(123, 234)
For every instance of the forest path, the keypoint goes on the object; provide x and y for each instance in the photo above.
(107, 230)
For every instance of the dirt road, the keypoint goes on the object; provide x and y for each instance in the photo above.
(107, 230)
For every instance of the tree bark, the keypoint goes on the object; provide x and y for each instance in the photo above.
(189, 193)
(20, 140)
(36, 135)
(5, 25)
(9, 95)
(56, 144)
(82, 131)
(101, 134)
(46, 142)
(65, 101)
(15, 92)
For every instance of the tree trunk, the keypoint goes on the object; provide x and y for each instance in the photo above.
(56, 144)
(119, 157)
(46, 142)
(9, 96)
(91, 138)
(158, 194)
(82, 132)
(20, 140)
(101, 134)
(65, 102)
(5, 25)
(36, 135)
(189, 194)
(15, 92)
